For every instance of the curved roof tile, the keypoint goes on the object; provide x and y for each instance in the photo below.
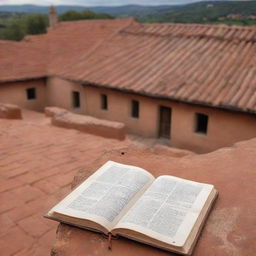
(214, 65)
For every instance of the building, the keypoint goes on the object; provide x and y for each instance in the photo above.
(194, 85)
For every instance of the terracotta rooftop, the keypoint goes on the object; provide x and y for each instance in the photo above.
(213, 65)
(37, 165)
(221, 32)
(20, 61)
(43, 159)
(229, 229)
(43, 55)
(69, 41)
(38, 162)
(202, 64)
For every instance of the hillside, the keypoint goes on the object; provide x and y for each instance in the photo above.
(228, 12)
(12, 17)
(232, 13)
(137, 11)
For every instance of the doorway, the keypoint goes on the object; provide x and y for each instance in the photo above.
(165, 114)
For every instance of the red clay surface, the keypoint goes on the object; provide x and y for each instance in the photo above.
(230, 229)
(37, 165)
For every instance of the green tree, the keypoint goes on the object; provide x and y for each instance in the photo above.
(15, 31)
(36, 24)
(70, 15)
(33, 24)
(84, 15)
(88, 15)
(104, 16)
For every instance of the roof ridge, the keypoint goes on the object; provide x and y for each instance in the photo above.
(204, 34)
(199, 25)
(190, 36)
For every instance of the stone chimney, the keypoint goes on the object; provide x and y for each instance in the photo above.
(53, 17)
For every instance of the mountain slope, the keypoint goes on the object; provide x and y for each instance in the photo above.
(120, 11)
(210, 12)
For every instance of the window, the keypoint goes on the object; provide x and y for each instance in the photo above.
(31, 93)
(135, 111)
(76, 99)
(201, 123)
(104, 101)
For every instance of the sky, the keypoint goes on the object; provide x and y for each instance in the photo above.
(96, 2)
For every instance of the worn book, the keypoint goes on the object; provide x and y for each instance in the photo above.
(122, 200)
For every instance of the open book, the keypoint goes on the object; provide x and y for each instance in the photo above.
(165, 212)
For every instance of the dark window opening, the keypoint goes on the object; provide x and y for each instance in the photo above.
(104, 101)
(135, 109)
(165, 120)
(76, 99)
(31, 93)
(201, 123)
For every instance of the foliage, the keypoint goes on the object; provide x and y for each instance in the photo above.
(84, 15)
(15, 31)
(15, 27)
(36, 24)
(18, 27)
(217, 12)
(137, 11)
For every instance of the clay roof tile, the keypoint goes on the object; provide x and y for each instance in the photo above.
(206, 64)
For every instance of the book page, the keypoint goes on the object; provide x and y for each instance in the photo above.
(105, 196)
(168, 210)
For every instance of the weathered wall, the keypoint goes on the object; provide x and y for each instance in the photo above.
(15, 93)
(224, 127)
(119, 109)
(59, 94)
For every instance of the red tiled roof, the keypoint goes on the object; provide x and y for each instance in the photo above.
(20, 60)
(202, 64)
(68, 41)
(212, 65)
(42, 55)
